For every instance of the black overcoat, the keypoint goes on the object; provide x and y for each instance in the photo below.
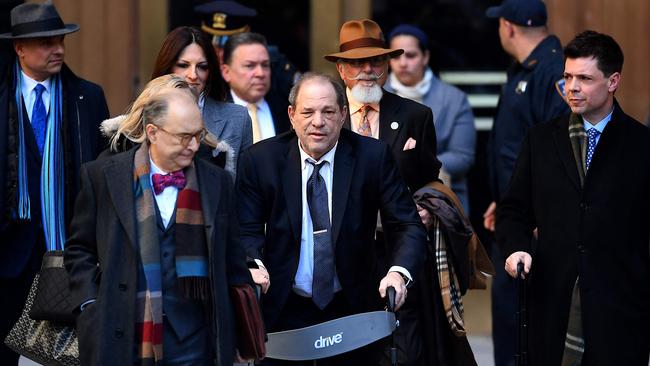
(102, 258)
(599, 232)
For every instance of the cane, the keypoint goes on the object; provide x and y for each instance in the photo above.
(521, 357)
(391, 307)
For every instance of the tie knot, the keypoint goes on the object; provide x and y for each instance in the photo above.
(162, 181)
(39, 89)
(317, 166)
(252, 107)
(593, 133)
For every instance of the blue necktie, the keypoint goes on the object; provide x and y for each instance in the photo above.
(592, 135)
(323, 281)
(39, 118)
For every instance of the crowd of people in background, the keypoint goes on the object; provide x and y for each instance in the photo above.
(324, 192)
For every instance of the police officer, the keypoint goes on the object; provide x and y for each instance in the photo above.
(533, 93)
(225, 18)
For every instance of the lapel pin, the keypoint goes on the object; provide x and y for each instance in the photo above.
(394, 125)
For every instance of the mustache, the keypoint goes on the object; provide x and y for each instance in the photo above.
(364, 76)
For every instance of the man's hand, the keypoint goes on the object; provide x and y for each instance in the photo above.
(516, 258)
(425, 216)
(261, 277)
(490, 217)
(394, 279)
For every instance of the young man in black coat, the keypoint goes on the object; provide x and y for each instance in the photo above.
(581, 181)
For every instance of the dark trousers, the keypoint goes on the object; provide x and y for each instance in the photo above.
(504, 309)
(300, 312)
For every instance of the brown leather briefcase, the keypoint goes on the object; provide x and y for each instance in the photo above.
(248, 321)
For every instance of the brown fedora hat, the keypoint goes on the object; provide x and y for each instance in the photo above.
(361, 39)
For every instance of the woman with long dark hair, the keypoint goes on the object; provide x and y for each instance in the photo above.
(187, 52)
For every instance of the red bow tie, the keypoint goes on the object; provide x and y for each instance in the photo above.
(162, 181)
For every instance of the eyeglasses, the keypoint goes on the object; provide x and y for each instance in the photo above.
(375, 62)
(185, 138)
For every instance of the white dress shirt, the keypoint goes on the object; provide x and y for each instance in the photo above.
(166, 200)
(305, 273)
(600, 126)
(29, 94)
(264, 117)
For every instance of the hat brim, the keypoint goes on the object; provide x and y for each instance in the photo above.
(69, 28)
(493, 12)
(364, 52)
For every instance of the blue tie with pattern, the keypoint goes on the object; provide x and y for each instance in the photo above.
(323, 281)
(592, 135)
(39, 118)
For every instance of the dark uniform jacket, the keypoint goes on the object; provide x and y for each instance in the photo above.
(530, 96)
(599, 232)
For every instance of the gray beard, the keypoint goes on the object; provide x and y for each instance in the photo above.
(367, 95)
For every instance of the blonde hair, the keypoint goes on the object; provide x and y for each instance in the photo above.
(134, 123)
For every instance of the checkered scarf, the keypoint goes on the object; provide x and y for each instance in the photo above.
(191, 254)
(574, 345)
(449, 288)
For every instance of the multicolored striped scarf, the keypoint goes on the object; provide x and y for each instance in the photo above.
(191, 255)
(574, 344)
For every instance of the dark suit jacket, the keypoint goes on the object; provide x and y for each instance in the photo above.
(83, 110)
(279, 112)
(599, 232)
(365, 181)
(101, 257)
(417, 166)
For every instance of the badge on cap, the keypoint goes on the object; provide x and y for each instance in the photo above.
(394, 125)
(521, 87)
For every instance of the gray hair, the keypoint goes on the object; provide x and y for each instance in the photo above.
(341, 98)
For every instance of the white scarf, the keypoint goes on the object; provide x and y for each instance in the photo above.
(415, 92)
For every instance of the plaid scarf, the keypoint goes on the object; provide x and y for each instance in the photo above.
(574, 344)
(191, 254)
(449, 288)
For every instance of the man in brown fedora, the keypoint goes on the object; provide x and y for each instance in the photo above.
(49, 125)
(406, 126)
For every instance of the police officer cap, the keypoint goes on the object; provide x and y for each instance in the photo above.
(527, 13)
(225, 17)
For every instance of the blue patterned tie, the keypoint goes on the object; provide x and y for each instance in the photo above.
(592, 135)
(323, 281)
(39, 118)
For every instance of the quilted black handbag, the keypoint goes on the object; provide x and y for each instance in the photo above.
(46, 342)
(52, 299)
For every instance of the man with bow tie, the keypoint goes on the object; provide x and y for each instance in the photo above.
(154, 246)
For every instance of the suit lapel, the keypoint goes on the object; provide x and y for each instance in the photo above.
(608, 145)
(292, 186)
(212, 118)
(118, 173)
(563, 145)
(343, 172)
(208, 181)
(388, 113)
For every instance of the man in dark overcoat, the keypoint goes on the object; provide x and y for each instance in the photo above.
(154, 246)
(582, 182)
(39, 171)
